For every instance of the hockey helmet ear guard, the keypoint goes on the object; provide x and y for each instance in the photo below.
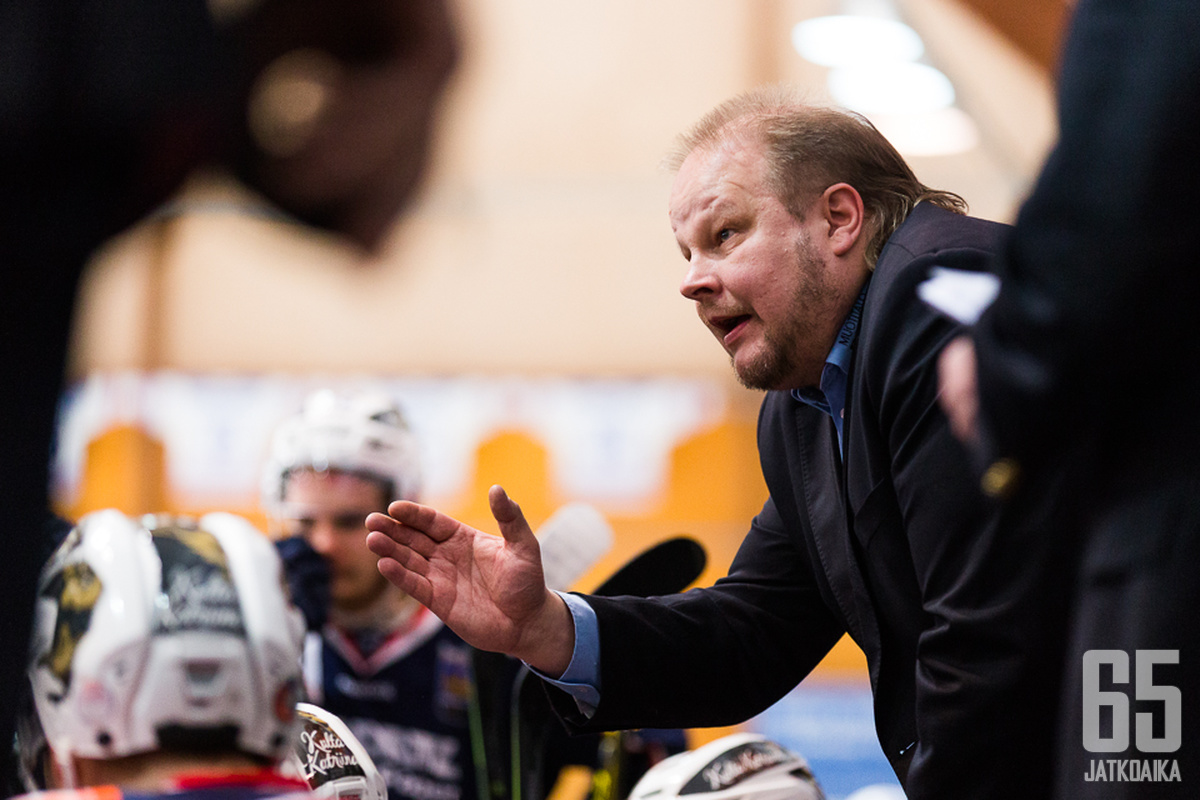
(331, 760)
(159, 633)
(364, 434)
(742, 766)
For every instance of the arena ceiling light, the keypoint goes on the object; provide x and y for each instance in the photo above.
(845, 39)
(943, 132)
(901, 87)
(875, 66)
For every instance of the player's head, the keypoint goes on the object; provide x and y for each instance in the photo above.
(742, 766)
(163, 638)
(361, 433)
(340, 458)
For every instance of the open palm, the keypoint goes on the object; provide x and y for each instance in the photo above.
(489, 589)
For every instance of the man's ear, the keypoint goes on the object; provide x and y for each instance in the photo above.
(842, 207)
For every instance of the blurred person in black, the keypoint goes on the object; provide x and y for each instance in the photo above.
(1086, 370)
(105, 107)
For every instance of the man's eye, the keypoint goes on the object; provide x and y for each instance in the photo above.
(350, 522)
(724, 234)
(297, 527)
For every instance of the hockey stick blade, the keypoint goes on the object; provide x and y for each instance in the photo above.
(665, 568)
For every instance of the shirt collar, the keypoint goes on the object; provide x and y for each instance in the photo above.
(830, 396)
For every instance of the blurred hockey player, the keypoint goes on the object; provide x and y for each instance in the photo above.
(164, 663)
(394, 673)
(106, 107)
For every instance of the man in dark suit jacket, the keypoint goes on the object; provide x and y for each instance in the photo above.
(1089, 374)
(805, 235)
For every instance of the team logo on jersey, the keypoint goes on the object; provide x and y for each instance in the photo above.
(75, 591)
(196, 584)
(453, 684)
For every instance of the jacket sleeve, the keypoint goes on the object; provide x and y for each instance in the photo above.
(711, 656)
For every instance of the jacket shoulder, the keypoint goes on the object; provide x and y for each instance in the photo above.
(931, 230)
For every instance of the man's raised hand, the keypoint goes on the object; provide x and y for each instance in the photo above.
(489, 589)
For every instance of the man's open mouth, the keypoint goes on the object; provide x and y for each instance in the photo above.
(727, 325)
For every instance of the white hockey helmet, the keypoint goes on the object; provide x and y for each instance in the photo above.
(878, 791)
(364, 433)
(164, 634)
(331, 760)
(741, 766)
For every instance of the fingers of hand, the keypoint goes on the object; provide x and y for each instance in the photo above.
(396, 560)
(401, 533)
(508, 514)
(382, 523)
(504, 508)
(406, 580)
(382, 544)
(401, 543)
(958, 398)
(429, 521)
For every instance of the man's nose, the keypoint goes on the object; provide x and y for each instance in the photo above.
(700, 280)
(322, 538)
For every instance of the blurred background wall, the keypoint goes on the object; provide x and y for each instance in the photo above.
(526, 310)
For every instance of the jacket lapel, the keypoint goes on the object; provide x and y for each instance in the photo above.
(821, 495)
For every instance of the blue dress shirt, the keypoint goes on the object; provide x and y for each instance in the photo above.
(830, 397)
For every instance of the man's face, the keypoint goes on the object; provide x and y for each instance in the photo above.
(329, 509)
(761, 278)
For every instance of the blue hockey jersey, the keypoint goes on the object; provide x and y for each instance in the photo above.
(406, 695)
